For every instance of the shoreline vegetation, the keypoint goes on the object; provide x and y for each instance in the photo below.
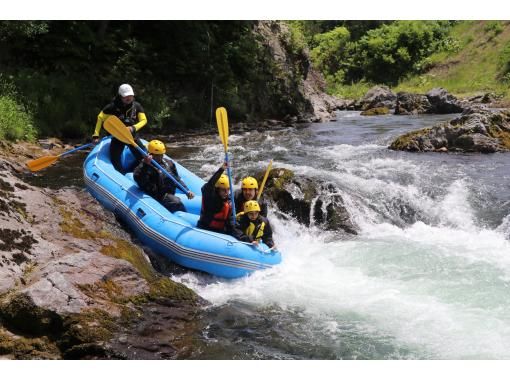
(299, 71)
(79, 286)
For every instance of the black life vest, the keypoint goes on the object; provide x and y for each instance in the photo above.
(126, 113)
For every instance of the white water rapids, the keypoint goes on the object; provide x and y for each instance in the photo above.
(428, 276)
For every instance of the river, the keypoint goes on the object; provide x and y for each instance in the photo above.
(428, 276)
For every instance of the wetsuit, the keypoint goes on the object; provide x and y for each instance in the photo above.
(259, 229)
(216, 213)
(133, 115)
(158, 185)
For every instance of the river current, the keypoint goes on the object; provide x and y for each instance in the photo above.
(428, 276)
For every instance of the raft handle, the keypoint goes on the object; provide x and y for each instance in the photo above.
(95, 177)
(140, 213)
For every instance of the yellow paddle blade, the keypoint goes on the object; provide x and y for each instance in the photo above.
(222, 121)
(41, 163)
(261, 189)
(118, 129)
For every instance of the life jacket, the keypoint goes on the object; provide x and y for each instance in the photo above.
(255, 232)
(127, 116)
(219, 219)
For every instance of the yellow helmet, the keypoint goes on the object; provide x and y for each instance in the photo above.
(249, 183)
(251, 206)
(223, 182)
(156, 147)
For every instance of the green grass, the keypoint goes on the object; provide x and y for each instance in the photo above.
(352, 91)
(15, 122)
(473, 66)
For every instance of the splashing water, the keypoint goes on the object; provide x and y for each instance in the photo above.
(427, 276)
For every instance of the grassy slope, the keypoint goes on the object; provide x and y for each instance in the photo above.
(474, 68)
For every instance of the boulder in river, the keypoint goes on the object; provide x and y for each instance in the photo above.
(442, 102)
(478, 129)
(411, 104)
(378, 96)
(307, 200)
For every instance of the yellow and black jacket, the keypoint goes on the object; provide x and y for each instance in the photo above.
(133, 115)
(260, 229)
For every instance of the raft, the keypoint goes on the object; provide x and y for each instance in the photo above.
(172, 235)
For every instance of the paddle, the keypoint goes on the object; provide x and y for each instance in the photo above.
(222, 121)
(265, 179)
(118, 129)
(44, 162)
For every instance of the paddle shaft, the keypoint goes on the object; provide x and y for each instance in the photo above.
(153, 162)
(75, 149)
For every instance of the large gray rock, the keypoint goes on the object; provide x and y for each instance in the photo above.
(309, 201)
(478, 129)
(378, 96)
(442, 102)
(411, 104)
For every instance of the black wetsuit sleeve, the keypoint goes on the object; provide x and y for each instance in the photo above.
(239, 200)
(109, 109)
(209, 185)
(139, 108)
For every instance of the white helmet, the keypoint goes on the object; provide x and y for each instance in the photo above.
(126, 90)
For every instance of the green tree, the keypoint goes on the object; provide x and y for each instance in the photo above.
(330, 48)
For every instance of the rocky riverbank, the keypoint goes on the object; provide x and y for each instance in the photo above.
(478, 129)
(73, 285)
(380, 100)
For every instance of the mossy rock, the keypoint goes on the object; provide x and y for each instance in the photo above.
(19, 313)
(409, 141)
(92, 326)
(376, 111)
(20, 347)
(298, 195)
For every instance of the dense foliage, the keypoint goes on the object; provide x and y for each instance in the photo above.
(66, 71)
(377, 52)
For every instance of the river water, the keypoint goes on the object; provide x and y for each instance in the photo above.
(428, 276)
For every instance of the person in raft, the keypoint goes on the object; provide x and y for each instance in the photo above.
(155, 183)
(131, 113)
(248, 192)
(216, 212)
(255, 226)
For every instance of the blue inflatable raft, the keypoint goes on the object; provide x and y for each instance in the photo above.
(173, 235)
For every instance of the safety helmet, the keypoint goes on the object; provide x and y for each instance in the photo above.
(223, 182)
(156, 147)
(249, 183)
(251, 206)
(126, 90)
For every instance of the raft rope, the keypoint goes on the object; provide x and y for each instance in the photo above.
(205, 232)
